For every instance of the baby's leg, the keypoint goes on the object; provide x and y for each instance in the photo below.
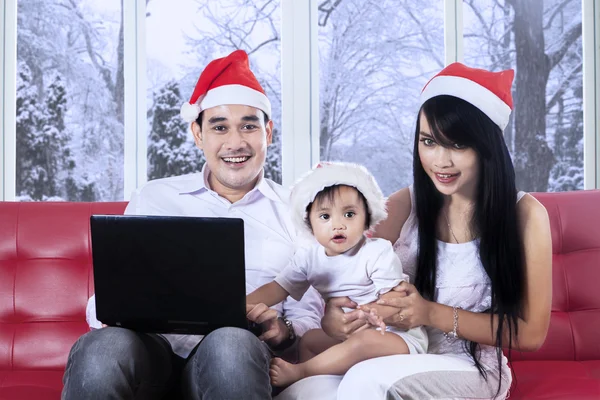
(315, 342)
(337, 360)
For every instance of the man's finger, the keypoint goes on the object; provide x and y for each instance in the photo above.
(268, 335)
(266, 316)
(256, 312)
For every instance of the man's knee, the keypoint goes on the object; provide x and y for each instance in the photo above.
(99, 352)
(106, 345)
(230, 363)
(233, 348)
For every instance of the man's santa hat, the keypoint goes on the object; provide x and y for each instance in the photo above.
(226, 80)
(486, 90)
(327, 174)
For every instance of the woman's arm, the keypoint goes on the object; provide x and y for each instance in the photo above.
(398, 206)
(535, 231)
(270, 294)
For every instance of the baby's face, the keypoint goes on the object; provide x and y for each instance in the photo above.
(339, 225)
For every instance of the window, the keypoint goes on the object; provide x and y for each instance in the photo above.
(200, 31)
(69, 100)
(542, 41)
(374, 58)
(94, 110)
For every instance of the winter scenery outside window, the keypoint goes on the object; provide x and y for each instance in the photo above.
(374, 58)
(199, 31)
(541, 40)
(69, 100)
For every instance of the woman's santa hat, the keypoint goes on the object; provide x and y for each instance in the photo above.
(486, 90)
(226, 80)
(327, 174)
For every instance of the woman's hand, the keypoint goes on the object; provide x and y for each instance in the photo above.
(340, 325)
(413, 310)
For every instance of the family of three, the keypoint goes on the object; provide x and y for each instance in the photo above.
(423, 289)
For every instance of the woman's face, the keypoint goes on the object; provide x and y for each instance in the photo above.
(453, 169)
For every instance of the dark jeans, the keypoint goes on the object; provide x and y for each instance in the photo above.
(116, 363)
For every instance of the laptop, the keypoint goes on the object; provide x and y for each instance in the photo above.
(169, 274)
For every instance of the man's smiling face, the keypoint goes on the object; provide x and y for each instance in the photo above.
(234, 139)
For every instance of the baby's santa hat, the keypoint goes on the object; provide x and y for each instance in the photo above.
(327, 174)
(226, 80)
(486, 90)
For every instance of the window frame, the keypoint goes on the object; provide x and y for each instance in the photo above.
(300, 89)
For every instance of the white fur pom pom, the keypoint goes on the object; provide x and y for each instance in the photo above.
(189, 112)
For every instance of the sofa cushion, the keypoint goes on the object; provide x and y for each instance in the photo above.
(564, 380)
(29, 385)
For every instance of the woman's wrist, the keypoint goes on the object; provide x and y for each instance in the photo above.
(439, 316)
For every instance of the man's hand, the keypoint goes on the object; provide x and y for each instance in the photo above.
(274, 329)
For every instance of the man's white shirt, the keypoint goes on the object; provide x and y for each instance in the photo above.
(269, 236)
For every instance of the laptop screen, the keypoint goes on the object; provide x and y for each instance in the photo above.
(169, 274)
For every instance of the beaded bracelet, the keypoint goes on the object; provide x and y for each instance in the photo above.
(454, 333)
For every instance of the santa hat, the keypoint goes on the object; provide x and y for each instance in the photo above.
(486, 90)
(226, 80)
(328, 174)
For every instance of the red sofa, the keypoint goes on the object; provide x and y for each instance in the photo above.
(46, 279)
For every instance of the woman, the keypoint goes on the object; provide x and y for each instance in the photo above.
(478, 254)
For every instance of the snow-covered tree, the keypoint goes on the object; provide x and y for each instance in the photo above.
(170, 150)
(44, 159)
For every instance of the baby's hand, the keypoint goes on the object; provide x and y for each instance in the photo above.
(374, 320)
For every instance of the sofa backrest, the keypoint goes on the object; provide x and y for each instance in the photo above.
(45, 280)
(574, 332)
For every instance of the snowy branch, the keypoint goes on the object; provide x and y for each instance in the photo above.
(566, 40)
(564, 85)
(556, 12)
(327, 10)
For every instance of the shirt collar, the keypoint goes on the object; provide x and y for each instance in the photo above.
(202, 186)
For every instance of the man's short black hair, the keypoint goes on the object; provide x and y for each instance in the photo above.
(200, 117)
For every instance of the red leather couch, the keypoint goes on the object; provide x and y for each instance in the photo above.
(46, 279)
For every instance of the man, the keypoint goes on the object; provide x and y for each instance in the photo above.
(230, 122)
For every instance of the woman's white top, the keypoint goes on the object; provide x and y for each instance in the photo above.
(461, 281)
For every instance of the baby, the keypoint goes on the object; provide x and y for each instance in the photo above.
(336, 203)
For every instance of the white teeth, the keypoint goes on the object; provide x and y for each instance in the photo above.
(236, 159)
(446, 176)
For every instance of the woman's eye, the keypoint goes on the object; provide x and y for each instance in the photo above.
(459, 146)
(349, 214)
(324, 216)
(427, 142)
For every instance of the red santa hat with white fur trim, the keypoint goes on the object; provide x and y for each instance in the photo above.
(486, 90)
(226, 80)
(327, 174)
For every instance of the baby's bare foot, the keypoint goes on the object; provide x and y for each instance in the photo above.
(284, 374)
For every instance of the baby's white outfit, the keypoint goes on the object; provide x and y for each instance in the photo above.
(363, 273)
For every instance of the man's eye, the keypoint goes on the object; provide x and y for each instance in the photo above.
(250, 127)
(219, 128)
(349, 214)
(324, 216)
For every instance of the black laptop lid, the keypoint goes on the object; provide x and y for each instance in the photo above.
(169, 274)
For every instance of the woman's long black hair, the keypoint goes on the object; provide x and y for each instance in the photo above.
(494, 221)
